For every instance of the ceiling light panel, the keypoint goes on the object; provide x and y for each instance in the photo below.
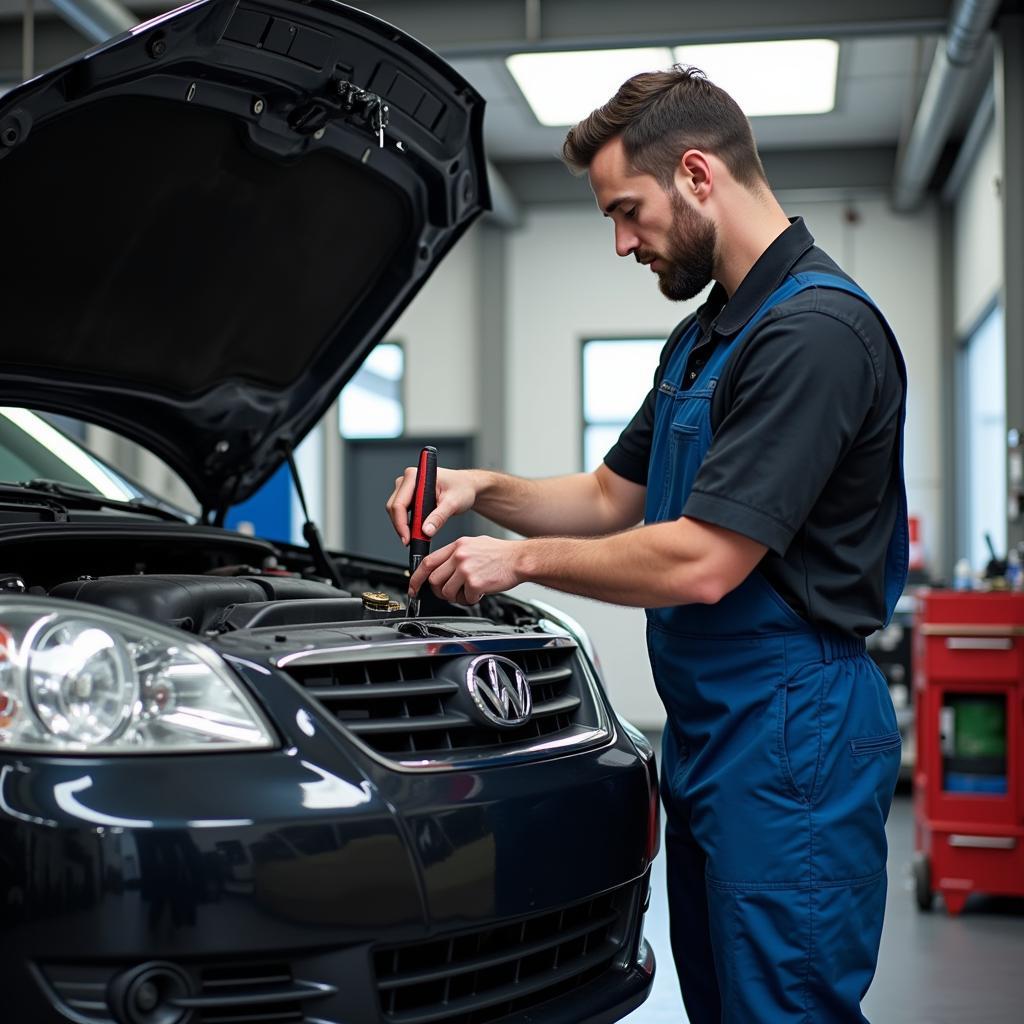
(788, 76)
(563, 88)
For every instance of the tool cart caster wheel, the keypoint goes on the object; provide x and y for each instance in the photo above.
(923, 882)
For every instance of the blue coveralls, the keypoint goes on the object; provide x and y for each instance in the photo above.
(780, 758)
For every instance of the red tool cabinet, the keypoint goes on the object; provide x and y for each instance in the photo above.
(969, 776)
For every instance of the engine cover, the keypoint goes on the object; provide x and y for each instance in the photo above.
(189, 602)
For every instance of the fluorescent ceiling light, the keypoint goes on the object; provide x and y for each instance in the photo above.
(562, 88)
(787, 76)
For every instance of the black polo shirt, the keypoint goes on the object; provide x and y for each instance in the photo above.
(804, 426)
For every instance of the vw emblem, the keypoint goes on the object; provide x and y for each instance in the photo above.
(500, 690)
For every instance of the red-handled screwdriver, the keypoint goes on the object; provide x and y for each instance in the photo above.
(424, 502)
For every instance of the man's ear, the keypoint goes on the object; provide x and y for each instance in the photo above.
(694, 175)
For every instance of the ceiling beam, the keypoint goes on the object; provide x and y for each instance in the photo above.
(467, 27)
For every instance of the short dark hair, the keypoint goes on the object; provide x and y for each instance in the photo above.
(661, 114)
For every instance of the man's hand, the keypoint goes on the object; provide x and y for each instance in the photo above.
(462, 572)
(684, 561)
(456, 492)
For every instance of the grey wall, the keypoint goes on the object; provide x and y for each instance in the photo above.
(439, 332)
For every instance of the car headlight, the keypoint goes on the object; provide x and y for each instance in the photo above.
(76, 680)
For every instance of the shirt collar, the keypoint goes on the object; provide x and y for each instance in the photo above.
(762, 279)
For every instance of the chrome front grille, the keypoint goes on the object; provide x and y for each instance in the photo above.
(493, 973)
(411, 707)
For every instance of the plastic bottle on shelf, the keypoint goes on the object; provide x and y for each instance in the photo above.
(962, 576)
(1013, 570)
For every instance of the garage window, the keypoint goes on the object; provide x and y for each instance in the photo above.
(984, 373)
(617, 374)
(372, 403)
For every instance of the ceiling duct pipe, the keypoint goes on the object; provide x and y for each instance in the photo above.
(941, 100)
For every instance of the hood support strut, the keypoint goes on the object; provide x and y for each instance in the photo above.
(310, 531)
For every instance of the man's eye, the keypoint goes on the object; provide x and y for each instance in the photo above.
(630, 214)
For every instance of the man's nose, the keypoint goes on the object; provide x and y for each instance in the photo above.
(626, 241)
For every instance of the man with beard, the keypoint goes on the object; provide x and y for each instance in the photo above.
(766, 463)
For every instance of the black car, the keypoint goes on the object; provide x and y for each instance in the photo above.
(237, 783)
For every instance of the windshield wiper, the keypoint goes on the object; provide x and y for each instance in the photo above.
(82, 497)
(15, 496)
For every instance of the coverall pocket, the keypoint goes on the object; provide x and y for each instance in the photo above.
(865, 746)
(798, 731)
(680, 471)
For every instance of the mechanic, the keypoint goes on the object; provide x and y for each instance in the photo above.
(766, 463)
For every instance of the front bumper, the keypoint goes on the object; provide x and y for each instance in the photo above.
(252, 993)
(273, 883)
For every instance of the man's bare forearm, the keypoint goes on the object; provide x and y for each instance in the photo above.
(574, 505)
(681, 562)
(655, 566)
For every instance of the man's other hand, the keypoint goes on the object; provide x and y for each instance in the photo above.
(462, 572)
(456, 493)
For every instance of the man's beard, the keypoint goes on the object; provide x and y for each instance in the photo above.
(690, 256)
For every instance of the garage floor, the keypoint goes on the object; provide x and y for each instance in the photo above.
(933, 968)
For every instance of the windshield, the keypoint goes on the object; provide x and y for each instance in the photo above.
(32, 449)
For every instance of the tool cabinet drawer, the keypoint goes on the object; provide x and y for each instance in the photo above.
(984, 657)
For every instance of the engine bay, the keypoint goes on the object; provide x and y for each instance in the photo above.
(214, 582)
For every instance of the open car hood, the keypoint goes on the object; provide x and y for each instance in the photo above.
(205, 235)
